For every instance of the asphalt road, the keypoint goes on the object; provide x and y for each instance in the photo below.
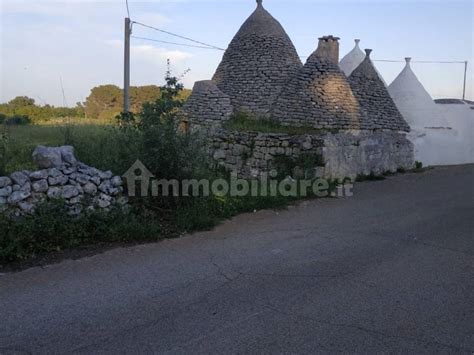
(390, 269)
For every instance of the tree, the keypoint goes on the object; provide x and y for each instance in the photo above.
(21, 101)
(104, 98)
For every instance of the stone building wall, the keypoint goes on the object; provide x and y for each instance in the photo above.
(250, 154)
(344, 154)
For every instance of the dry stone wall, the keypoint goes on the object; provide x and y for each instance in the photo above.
(344, 154)
(60, 177)
(250, 154)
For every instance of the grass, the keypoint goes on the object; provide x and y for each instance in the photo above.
(243, 122)
(94, 144)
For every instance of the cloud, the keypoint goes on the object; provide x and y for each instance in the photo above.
(151, 54)
(154, 19)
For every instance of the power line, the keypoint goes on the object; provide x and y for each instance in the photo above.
(174, 43)
(417, 61)
(128, 10)
(413, 61)
(179, 36)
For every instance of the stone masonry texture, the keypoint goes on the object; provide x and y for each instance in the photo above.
(374, 99)
(319, 96)
(258, 63)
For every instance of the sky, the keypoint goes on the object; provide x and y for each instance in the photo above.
(48, 45)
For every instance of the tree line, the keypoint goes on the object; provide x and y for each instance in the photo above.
(104, 103)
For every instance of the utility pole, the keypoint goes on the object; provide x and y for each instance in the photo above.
(465, 80)
(126, 69)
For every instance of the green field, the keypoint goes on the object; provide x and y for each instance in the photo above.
(18, 143)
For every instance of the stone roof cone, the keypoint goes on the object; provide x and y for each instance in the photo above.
(352, 59)
(319, 95)
(414, 102)
(374, 99)
(258, 62)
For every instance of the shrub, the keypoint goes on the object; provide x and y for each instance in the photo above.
(18, 120)
(3, 153)
(50, 228)
(3, 117)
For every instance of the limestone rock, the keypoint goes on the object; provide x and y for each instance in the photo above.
(6, 191)
(20, 178)
(54, 192)
(103, 203)
(116, 181)
(67, 155)
(18, 196)
(58, 180)
(90, 188)
(50, 157)
(39, 175)
(40, 186)
(5, 181)
(54, 172)
(46, 157)
(69, 191)
(26, 207)
(82, 179)
(105, 186)
(25, 188)
(105, 175)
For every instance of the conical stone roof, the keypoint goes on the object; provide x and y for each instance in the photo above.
(352, 59)
(319, 95)
(414, 102)
(378, 107)
(258, 62)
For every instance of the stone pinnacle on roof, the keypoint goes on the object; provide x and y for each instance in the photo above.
(413, 101)
(258, 62)
(378, 107)
(352, 59)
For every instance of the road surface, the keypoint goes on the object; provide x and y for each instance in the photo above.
(390, 269)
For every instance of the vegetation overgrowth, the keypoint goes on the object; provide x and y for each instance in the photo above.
(244, 122)
(103, 104)
(154, 136)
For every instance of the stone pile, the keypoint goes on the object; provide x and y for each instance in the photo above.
(60, 177)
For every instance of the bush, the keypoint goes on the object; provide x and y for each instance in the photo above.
(17, 120)
(3, 117)
(50, 228)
